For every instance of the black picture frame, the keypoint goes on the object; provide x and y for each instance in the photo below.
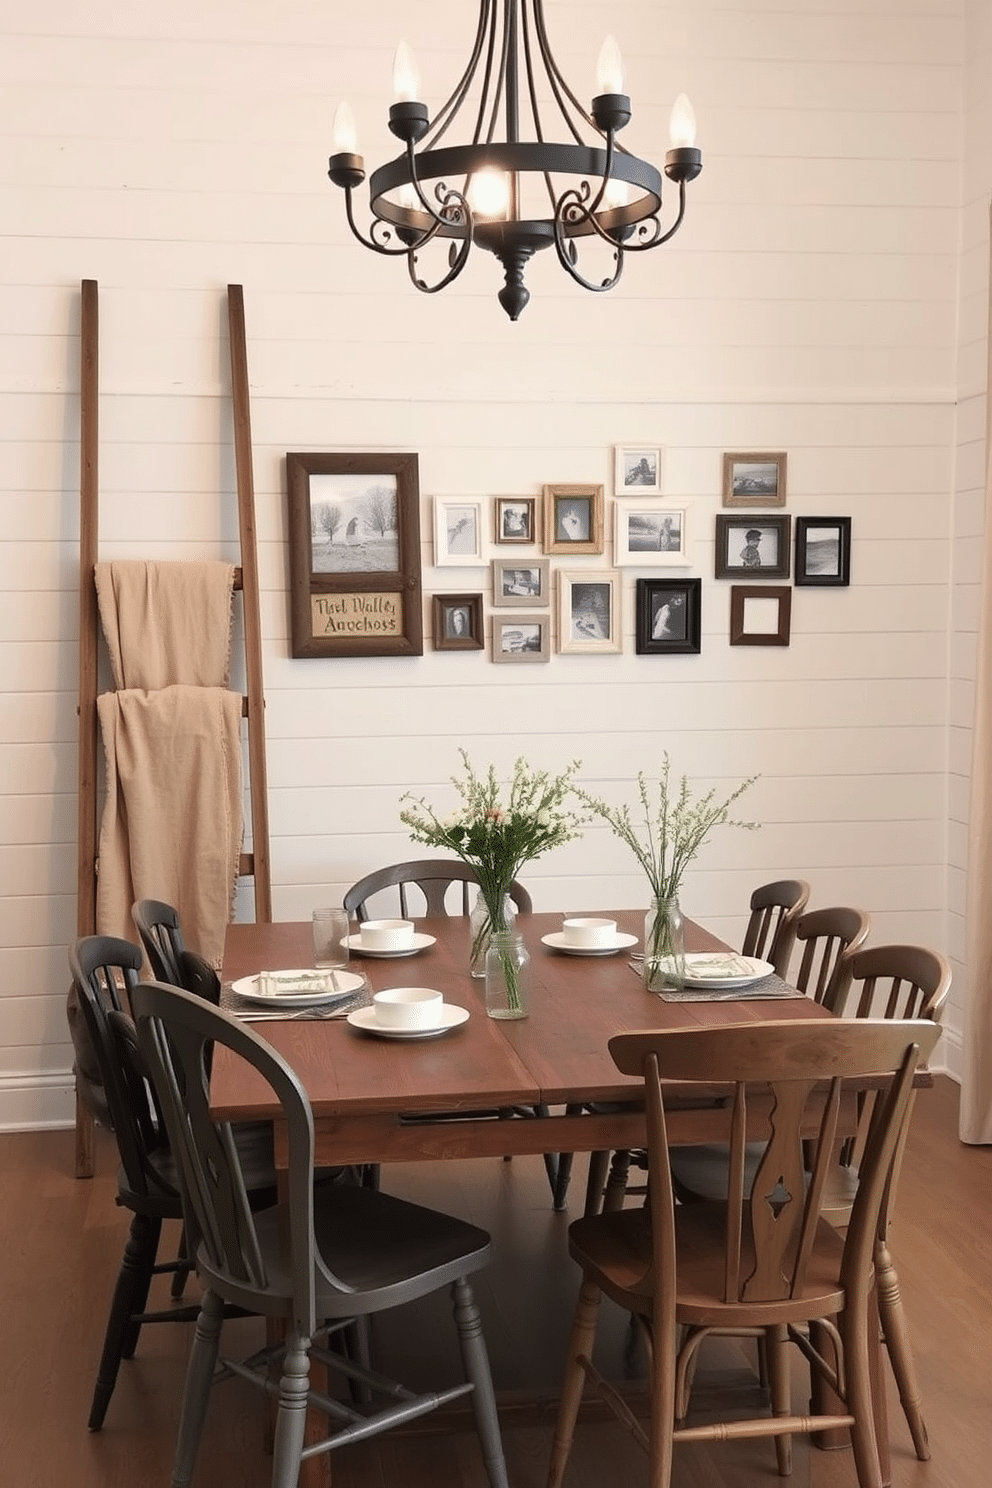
(680, 630)
(753, 547)
(823, 552)
(456, 622)
(354, 554)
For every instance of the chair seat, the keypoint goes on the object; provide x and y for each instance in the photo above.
(615, 1251)
(383, 1250)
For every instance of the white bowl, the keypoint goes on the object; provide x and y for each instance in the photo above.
(387, 935)
(408, 1007)
(588, 933)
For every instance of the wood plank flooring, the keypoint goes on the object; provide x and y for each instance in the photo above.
(62, 1239)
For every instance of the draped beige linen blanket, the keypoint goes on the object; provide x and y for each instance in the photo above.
(172, 821)
(166, 623)
(173, 817)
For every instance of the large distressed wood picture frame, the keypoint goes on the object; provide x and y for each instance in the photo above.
(354, 554)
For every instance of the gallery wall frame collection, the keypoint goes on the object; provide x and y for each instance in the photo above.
(354, 544)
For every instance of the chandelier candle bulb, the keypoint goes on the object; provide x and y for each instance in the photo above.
(406, 77)
(609, 69)
(344, 130)
(683, 125)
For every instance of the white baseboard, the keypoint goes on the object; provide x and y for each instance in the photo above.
(37, 1102)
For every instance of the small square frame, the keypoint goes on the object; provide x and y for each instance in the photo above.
(589, 612)
(823, 552)
(515, 519)
(650, 534)
(523, 582)
(457, 622)
(573, 519)
(533, 638)
(754, 480)
(756, 547)
(751, 607)
(637, 470)
(680, 629)
(459, 532)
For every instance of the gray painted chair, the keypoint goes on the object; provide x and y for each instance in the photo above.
(433, 877)
(323, 1258)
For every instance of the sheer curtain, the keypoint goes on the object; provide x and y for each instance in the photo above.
(976, 1085)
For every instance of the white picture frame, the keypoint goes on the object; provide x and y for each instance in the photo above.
(589, 616)
(637, 470)
(650, 534)
(459, 532)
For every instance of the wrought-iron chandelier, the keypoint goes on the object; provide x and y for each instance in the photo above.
(511, 189)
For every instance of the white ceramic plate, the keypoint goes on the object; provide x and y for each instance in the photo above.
(299, 988)
(716, 969)
(451, 1017)
(419, 943)
(556, 941)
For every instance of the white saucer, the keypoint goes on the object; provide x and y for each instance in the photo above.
(451, 1017)
(419, 943)
(289, 988)
(716, 969)
(556, 941)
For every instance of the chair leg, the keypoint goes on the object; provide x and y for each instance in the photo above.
(599, 1163)
(476, 1362)
(291, 1421)
(184, 1268)
(854, 1324)
(777, 1364)
(580, 1345)
(900, 1353)
(130, 1295)
(196, 1392)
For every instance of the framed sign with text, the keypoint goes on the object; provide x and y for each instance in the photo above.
(354, 554)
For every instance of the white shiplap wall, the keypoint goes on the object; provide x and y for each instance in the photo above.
(809, 305)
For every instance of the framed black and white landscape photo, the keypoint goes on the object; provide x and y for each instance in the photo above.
(354, 554)
(754, 480)
(823, 551)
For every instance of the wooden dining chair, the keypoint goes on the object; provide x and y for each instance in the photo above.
(317, 1262)
(888, 981)
(762, 1259)
(771, 928)
(828, 939)
(433, 877)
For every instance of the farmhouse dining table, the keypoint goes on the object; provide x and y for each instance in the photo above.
(377, 1101)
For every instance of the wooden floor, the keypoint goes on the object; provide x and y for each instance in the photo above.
(61, 1244)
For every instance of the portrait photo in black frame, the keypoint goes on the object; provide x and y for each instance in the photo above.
(668, 617)
(823, 552)
(755, 547)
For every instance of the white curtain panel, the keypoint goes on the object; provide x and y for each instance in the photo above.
(976, 1085)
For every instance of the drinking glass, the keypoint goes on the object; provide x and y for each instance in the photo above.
(330, 938)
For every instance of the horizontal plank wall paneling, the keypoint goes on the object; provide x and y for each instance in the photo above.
(809, 304)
